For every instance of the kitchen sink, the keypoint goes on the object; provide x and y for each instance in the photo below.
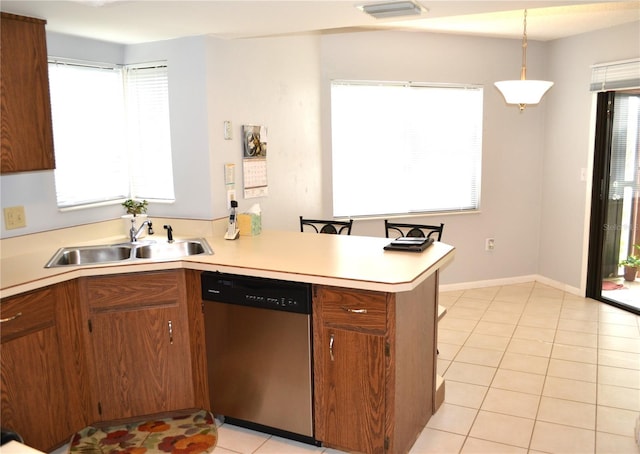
(88, 255)
(173, 250)
(128, 252)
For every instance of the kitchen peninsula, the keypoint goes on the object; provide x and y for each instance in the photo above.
(380, 305)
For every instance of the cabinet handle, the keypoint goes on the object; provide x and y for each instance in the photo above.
(170, 332)
(331, 339)
(8, 319)
(354, 311)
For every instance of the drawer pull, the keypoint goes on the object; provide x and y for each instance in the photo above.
(331, 339)
(354, 311)
(170, 332)
(8, 319)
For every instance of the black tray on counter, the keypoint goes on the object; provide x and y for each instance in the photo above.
(410, 244)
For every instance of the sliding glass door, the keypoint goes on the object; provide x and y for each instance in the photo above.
(615, 212)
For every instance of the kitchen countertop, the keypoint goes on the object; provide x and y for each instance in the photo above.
(344, 261)
(15, 447)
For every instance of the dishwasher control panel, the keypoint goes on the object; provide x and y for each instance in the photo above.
(256, 292)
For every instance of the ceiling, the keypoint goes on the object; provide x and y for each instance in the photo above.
(137, 21)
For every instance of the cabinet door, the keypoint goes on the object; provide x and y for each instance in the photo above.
(40, 386)
(350, 398)
(27, 135)
(350, 365)
(140, 344)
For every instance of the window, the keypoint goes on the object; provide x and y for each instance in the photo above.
(400, 148)
(111, 132)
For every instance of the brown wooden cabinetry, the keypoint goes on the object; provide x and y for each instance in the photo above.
(43, 371)
(26, 138)
(350, 365)
(138, 338)
(374, 366)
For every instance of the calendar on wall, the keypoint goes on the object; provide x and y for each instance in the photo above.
(254, 161)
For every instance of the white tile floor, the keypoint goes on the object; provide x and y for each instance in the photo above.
(528, 369)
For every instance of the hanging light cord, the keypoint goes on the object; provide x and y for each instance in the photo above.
(523, 71)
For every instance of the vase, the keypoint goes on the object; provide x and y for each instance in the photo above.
(138, 220)
(630, 273)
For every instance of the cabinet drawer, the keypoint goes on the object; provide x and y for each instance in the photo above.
(27, 313)
(361, 310)
(128, 291)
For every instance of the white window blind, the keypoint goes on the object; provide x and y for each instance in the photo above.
(88, 126)
(405, 148)
(111, 132)
(619, 75)
(148, 132)
(624, 184)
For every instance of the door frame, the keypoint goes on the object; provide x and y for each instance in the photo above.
(601, 181)
(599, 189)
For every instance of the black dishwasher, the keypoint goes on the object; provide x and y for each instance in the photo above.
(258, 338)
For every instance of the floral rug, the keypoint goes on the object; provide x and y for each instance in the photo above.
(191, 434)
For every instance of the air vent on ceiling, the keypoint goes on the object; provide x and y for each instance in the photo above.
(392, 9)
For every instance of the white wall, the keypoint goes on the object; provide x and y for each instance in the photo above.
(272, 82)
(36, 190)
(568, 145)
(513, 142)
(190, 147)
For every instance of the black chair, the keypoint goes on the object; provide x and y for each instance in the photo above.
(414, 230)
(323, 226)
(8, 435)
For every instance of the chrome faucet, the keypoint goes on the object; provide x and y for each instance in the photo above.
(133, 233)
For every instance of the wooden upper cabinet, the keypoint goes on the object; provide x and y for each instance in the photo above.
(26, 138)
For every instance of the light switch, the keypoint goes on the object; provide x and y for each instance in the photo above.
(228, 132)
(14, 217)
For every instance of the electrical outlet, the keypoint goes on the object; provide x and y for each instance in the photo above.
(14, 218)
(489, 244)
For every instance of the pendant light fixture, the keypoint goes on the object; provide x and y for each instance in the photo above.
(523, 91)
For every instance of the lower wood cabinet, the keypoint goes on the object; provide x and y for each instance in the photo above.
(119, 346)
(374, 366)
(44, 378)
(137, 336)
(100, 349)
(350, 366)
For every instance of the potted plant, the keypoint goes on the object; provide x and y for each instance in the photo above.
(136, 215)
(631, 265)
(134, 207)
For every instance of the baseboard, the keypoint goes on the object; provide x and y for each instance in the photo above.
(561, 286)
(511, 281)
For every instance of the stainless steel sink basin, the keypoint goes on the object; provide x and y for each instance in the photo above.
(128, 252)
(173, 250)
(87, 255)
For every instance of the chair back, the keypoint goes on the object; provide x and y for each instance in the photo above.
(414, 230)
(326, 226)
